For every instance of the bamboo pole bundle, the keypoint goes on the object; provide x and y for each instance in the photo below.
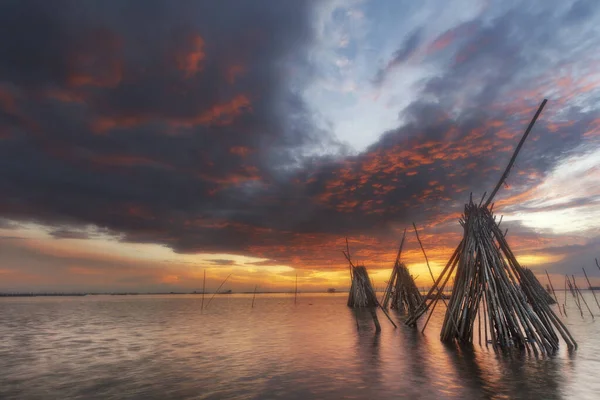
(406, 296)
(489, 279)
(401, 289)
(362, 293)
(537, 286)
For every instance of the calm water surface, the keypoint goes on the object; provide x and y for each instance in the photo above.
(162, 347)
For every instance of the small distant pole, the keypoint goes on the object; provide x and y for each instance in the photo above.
(597, 265)
(203, 289)
(215, 293)
(553, 292)
(591, 287)
(296, 291)
(254, 296)
(581, 296)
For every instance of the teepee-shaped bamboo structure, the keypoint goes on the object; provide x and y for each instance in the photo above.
(362, 294)
(490, 281)
(401, 289)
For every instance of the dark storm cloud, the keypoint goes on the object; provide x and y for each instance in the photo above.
(179, 123)
(69, 234)
(147, 119)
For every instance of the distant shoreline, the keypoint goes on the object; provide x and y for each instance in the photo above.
(144, 293)
(74, 294)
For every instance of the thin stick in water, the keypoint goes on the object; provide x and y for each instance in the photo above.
(254, 295)
(591, 287)
(553, 292)
(581, 297)
(215, 293)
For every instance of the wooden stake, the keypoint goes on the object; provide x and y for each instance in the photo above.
(423, 250)
(254, 296)
(215, 293)
(553, 292)
(591, 287)
(349, 258)
(430, 273)
(581, 296)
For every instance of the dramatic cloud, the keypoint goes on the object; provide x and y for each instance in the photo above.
(187, 124)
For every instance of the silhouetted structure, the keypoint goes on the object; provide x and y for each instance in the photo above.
(401, 289)
(490, 280)
(361, 293)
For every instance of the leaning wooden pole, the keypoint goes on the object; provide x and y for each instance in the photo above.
(394, 275)
(516, 153)
(581, 297)
(553, 292)
(572, 290)
(424, 254)
(430, 273)
(349, 256)
(215, 293)
(254, 295)
(591, 287)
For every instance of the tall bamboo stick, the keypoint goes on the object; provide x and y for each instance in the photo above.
(591, 287)
(215, 293)
(514, 157)
(424, 254)
(581, 297)
(254, 296)
(574, 295)
(553, 292)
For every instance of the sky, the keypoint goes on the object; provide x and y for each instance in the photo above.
(143, 144)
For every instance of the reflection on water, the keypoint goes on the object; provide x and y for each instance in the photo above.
(158, 347)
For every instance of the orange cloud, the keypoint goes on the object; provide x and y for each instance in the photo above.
(66, 96)
(239, 150)
(219, 114)
(190, 61)
(104, 124)
(96, 61)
